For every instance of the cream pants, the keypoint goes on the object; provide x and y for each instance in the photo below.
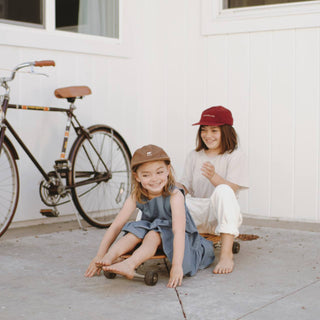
(220, 213)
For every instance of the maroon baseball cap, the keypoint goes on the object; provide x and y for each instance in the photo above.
(215, 116)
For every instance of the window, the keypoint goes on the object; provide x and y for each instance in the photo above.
(236, 16)
(95, 17)
(88, 26)
(22, 11)
(228, 4)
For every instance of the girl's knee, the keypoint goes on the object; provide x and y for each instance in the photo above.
(154, 236)
(224, 201)
(223, 190)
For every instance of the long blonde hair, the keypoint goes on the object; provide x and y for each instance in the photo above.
(141, 194)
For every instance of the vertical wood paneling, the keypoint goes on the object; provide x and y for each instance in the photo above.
(259, 124)
(175, 75)
(306, 175)
(151, 49)
(238, 92)
(195, 79)
(282, 126)
(101, 89)
(119, 108)
(217, 71)
(318, 133)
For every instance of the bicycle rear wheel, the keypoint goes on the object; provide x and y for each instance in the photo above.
(100, 175)
(9, 187)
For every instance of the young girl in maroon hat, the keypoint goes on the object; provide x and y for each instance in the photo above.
(213, 175)
(165, 221)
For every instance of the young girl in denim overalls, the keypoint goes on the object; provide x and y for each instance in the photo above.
(165, 221)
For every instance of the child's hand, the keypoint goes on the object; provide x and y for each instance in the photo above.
(93, 269)
(208, 170)
(176, 275)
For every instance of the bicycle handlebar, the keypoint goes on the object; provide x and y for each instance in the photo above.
(44, 63)
(40, 63)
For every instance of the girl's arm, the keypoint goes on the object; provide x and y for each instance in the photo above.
(208, 170)
(111, 234)
(181, 186)
(178, 229)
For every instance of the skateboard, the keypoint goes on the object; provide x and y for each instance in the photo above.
(151, 277)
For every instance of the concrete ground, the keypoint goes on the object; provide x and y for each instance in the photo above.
(276, 277)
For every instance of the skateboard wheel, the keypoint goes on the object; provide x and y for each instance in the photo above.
(109, 275)
(235, 247)
(150, 278)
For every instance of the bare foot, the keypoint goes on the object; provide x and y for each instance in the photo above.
(225, 264)
(124, 268)
(103, 263)
(107, 262)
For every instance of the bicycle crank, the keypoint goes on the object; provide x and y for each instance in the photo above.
(52, 191)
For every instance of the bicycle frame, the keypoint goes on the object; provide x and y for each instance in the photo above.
(22, 144)
(70, 117)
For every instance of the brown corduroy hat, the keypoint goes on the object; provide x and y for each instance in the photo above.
(148, 153)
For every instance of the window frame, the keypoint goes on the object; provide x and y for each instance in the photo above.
(48, 38)
(216, 20)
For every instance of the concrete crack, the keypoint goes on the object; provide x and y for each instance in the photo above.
(181, 305)
(276, 300)
(177, 293)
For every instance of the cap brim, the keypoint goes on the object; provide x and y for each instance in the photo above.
(145, 161)
(204, 123)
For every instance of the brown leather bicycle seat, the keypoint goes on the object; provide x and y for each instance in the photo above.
(72, 92)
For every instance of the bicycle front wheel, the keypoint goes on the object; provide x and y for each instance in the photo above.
(9, 186)
(99, 175)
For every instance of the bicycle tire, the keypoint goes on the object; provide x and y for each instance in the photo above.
(99, 203)
(9, 186)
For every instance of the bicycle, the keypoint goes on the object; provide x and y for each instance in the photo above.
(95, 175)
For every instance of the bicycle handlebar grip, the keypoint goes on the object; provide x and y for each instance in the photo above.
(44, 63)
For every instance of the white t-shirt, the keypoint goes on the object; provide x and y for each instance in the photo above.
(230, 166)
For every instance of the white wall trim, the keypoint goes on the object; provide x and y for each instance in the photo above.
(216, 20)
(51, 39)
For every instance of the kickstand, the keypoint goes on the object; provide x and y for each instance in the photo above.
(79, 222)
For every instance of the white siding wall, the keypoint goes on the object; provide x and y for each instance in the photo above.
(270, 81)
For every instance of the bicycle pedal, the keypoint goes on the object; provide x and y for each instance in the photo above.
(50, 213)
(62, 166)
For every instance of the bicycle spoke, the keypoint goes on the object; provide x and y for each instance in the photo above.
(99, 193)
